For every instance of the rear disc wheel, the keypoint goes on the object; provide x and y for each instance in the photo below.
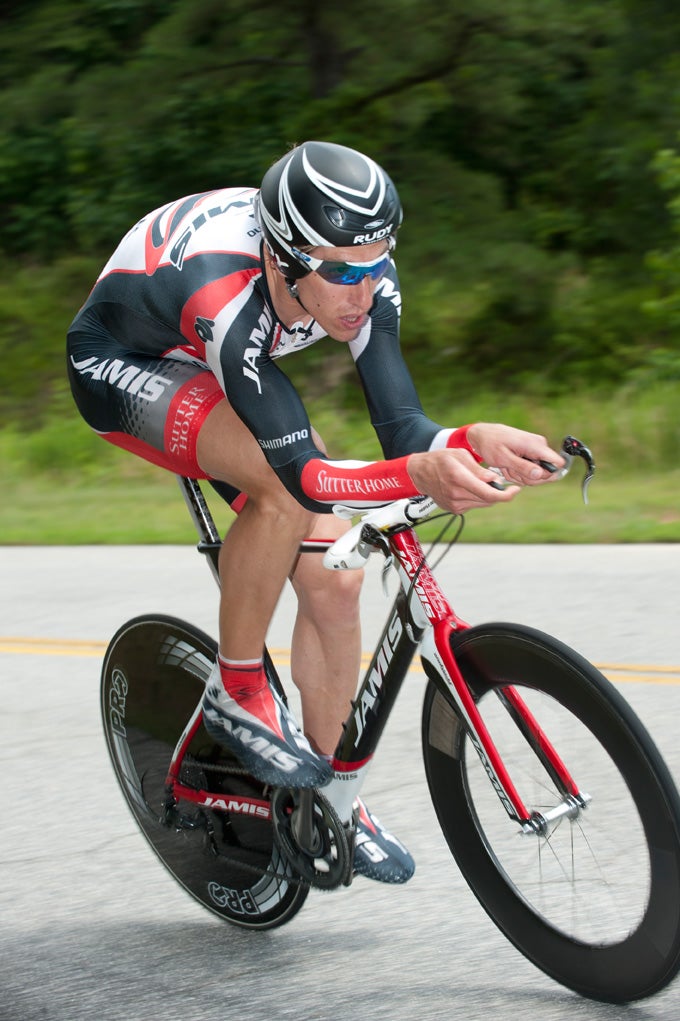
(222, 851)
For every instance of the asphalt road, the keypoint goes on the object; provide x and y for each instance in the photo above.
(91, 927)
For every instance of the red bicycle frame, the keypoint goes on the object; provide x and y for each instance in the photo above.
(421, 616)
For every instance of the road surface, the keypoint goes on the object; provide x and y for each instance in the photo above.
(93, 928)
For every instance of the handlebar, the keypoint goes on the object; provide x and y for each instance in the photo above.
(571, 448)
(353, 549)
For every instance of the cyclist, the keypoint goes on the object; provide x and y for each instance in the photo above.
(176, 355)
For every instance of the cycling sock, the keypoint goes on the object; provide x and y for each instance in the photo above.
(242, 676)
(245, 681)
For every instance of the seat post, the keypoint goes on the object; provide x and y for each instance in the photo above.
(210, 542)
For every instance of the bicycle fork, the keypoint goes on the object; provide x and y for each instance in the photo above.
(442, 668)
(431, 623)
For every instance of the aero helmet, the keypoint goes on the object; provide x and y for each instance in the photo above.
(324, 194)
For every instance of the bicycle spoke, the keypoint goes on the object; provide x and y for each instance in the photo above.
(569, 874)
(589, 887)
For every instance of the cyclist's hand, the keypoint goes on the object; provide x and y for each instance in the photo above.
(515, 452)
(455, 481)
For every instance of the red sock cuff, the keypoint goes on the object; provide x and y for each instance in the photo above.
(241, 676)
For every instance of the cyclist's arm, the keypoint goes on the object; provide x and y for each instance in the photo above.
(268, 403)
(419, 452)
(396, 413)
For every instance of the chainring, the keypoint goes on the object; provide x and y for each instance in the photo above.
(327, 862)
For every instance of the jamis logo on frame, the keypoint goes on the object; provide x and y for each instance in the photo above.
(240, 806)
(370, 692)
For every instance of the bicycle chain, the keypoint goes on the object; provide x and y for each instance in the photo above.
(236, 770)
(244, 866)
(216, 767)
(294, 880)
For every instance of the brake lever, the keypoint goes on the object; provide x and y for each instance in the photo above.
(571, 448)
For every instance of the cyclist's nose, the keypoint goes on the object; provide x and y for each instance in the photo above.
(362, 293)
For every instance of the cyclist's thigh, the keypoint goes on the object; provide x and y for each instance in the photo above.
(154, 407)
(227, 450)
(169, 411)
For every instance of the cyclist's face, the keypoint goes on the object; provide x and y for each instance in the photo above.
(341, 309)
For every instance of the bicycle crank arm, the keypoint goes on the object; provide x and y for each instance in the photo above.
(303, 826)
(311, 838)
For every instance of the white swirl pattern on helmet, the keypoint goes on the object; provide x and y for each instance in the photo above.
(365, 201)
(341, 194)
(294, 214)
(324, 195)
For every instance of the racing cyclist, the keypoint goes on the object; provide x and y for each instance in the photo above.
(176, 356)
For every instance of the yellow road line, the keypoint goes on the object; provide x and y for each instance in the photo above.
(638, 673)
(628, 673)
(51, 647)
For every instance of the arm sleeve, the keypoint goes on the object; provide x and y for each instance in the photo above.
(401, 425)
(269, 405)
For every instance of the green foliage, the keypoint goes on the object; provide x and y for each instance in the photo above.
(37, 303)
(523, 136)
(63, 484)
(665, 265)
(119, 104)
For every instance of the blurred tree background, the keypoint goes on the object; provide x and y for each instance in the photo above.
(533, 143)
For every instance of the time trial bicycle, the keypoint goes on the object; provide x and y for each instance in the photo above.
(554, 800)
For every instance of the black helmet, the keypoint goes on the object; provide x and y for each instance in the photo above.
(324, 194)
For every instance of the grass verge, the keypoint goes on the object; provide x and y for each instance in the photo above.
(148, 508)
(61, 484)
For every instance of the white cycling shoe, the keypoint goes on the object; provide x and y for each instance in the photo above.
(378, 854)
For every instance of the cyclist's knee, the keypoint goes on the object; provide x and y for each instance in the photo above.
(325, 596)
(277, 514)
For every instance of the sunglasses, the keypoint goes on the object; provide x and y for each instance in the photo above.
(347, 272)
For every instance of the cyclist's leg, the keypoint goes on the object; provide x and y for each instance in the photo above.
(173, 413)
(326, 645)
(326, 651)
(326, 648)
(253, 569)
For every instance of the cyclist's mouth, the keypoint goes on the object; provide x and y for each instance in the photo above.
(354, 322)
